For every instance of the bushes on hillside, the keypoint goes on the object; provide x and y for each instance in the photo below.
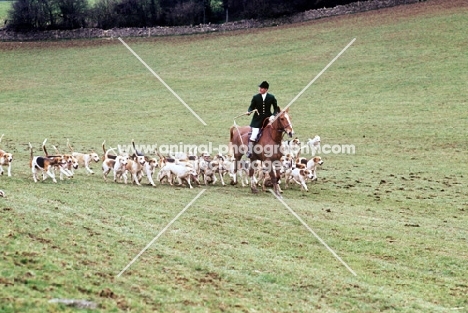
(27, 15)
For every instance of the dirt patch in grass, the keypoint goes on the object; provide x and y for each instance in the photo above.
(10, 46)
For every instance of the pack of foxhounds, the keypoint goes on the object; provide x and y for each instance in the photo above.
(175, 169)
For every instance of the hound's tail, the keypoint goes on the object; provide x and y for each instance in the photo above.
(44, 148)
(31, 155)
(104, 149)
(106, 152)
(158, 154)
(68, 145)
(55, 149)
(136, 151)
(121, 152)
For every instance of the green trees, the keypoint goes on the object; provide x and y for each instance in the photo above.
(28, 15)
(48, 14)
(72, 13)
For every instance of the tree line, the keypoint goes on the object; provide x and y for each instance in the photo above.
(27, 15)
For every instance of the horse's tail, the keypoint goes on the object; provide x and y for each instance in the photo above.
(232, 154)
(231, 136)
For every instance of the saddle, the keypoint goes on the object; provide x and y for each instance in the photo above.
(264, 124)
(258, 136)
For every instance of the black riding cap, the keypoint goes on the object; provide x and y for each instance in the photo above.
(264, 84)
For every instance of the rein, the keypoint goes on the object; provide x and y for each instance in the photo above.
(281, 130)
(237, 127)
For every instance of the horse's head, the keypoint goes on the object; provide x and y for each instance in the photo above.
(283, 122)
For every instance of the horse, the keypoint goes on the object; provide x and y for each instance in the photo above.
(267, 149)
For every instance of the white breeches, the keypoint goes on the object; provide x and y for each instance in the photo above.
(254, 135)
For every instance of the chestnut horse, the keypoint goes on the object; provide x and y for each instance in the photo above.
(266, 149)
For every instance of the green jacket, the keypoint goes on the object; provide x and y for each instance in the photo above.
(263, 108)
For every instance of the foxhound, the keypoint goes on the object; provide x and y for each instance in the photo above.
(311, 165)
(207, 168)
(314, 144)
(44, 164)
(299, 176)
(135, 167)
(140, 165)
(69, 160)
(262, 174)
(84, 159)
(181, 172)
(149, 168)
(72, 162)
(291, 147)
(5, 160)
(117, 165)
(243, 166)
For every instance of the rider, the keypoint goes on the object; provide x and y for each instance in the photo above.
(262, 102)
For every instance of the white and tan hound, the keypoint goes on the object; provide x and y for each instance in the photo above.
(64, 169)
(5, 160)
(311, 165)
(299, 176)
(181, 172)
(72, 163)
(84, 159)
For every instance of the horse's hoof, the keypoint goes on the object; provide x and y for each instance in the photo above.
(233, 183)
(255, 191)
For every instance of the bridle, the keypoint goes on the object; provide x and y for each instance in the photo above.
(282, 128)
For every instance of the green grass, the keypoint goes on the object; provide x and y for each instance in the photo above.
(395, 212)
(4, 8)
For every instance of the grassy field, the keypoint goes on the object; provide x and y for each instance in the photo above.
(4, 7)
(396, 211)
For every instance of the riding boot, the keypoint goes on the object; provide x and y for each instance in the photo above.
(250, 148)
